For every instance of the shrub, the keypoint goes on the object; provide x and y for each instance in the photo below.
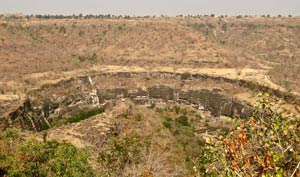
(62, 29)
(120, 153)
(168, 122)
(177, 109)
(225, 27)
(81, 33)
(29, 157)
(82, 115)
(138, 117)
(183, 120)
(266, 144)
(183, 111)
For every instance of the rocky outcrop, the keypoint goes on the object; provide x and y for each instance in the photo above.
(162, 92)
(44, 112)
(43, 108)
(216, 103)
(251, 85)
(30, 117)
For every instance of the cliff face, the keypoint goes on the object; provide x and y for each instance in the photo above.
(67, 98)
(34, 117)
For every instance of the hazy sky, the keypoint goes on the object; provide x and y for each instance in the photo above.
(152, 7)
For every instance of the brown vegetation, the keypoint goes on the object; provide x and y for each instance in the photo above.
(57, 45)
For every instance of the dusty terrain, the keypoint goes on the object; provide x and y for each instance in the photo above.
(173, 80)
(38, 48)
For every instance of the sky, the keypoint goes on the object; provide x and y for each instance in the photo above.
(152, 7)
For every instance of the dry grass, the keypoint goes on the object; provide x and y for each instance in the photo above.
(40, 46)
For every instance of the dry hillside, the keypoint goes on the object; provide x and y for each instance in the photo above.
(38, 46)
(149, 96)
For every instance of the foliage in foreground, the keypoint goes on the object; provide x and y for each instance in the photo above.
(266, 144)
(29, 157)
(120, 153)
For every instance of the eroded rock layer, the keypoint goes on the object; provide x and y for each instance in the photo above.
(65, 99)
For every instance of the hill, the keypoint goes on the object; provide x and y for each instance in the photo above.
(149, 97)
